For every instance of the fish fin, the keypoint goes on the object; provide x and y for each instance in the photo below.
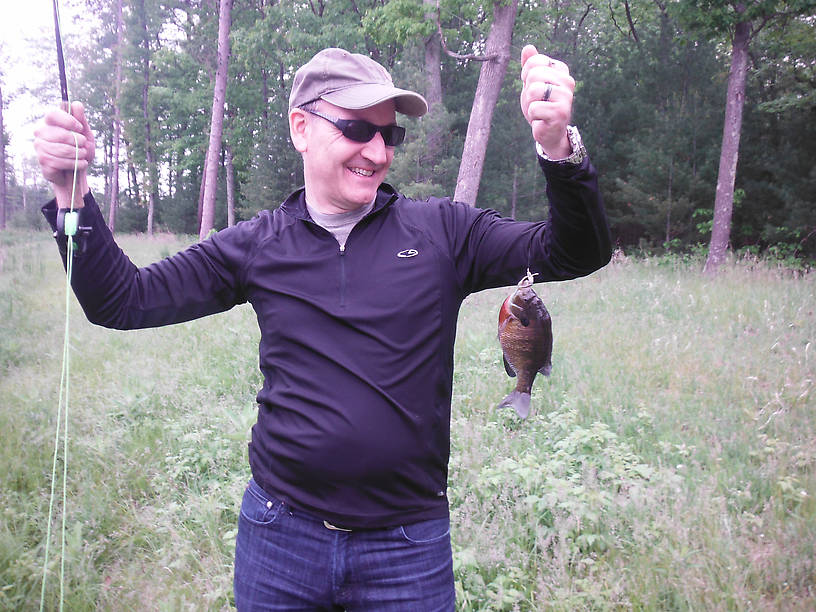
(519, 401)
(546, 369)
(508, 368)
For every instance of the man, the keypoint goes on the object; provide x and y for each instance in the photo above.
(357, 290)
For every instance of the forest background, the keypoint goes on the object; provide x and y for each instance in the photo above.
(651, 92)
(670, 462)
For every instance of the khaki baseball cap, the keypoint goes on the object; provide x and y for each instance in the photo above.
(353, 81)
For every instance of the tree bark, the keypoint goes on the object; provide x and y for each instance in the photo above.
(734, 103)
(150, 175)
(484, 101)
(117, 122)
(217, 122)
(230, 173)
(514, 194)
(669, 199)
(3, 202)
(433, 95)
(200, 209)
(133, 182)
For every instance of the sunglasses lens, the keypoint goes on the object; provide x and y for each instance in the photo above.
(393, 135)
(363, 131)
(359, 131)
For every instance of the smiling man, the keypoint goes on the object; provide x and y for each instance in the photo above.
(357, 290)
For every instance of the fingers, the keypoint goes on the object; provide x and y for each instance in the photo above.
(78, 112)
(58, 127)
(546, 96)
(538, 72)
(531, 60)
(63, 142)
(526, 53)
(547, 100)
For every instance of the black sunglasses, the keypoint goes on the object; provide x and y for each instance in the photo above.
(359, 130)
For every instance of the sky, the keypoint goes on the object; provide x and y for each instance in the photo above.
(21, 25)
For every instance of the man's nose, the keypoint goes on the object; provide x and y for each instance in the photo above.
(375, 150)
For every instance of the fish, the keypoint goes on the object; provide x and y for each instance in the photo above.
(525, 336)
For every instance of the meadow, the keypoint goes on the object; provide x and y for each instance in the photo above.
(669, 464)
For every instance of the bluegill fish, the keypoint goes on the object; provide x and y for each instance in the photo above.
(525, 335)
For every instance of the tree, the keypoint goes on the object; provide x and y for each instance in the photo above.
(777, 210)
(229, 167)
(729, 153)
(648, 103)
(217, 123)
(491, 77)
(2, 166)
(741, 21)
(433, 75)
(117, 119)
(151, 173)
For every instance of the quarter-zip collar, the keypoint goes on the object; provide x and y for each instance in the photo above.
(295, 204)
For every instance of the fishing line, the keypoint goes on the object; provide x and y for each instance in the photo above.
(63, 404)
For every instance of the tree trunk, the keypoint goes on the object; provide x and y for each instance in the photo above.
(150, 174)
(117, 122)
(107, 148)
(484, 101)
(734, 103)
(133, 182)
(230, 172)
(514, 194)
(151, 195)
(24, 170)
(669, 199)
(201, 189)
(3, 202)
(217, 122)
(433, 95)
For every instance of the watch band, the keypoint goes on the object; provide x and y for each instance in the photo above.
(579, 151)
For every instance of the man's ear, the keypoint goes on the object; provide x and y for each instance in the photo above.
(298, 128)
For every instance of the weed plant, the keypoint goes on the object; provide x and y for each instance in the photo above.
(669, 464)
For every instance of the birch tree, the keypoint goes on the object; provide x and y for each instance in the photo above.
(217, 122)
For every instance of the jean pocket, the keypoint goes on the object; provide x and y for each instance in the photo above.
(426, 532)
(258, 508)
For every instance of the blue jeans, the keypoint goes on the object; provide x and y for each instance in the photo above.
(290, 560)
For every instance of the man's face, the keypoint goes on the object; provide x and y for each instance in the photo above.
(340, 174)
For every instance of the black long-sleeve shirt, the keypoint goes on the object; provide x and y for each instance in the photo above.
(356, 344)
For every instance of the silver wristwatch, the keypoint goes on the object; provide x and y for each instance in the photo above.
(579, 151)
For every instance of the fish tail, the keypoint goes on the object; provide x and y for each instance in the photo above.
(519, 401)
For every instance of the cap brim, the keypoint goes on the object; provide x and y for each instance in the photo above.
(366, 95)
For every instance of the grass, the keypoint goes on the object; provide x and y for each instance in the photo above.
(670, 463)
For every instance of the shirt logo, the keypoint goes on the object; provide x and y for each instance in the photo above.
(408, 253)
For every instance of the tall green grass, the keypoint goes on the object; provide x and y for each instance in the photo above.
(670, 463)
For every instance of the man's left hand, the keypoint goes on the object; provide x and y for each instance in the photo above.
(546, 100)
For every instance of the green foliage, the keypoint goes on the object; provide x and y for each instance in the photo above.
(649, 103)
(575, 473)
(669, 462)
(398, 21)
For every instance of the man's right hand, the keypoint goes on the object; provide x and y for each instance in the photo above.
(55, 144)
